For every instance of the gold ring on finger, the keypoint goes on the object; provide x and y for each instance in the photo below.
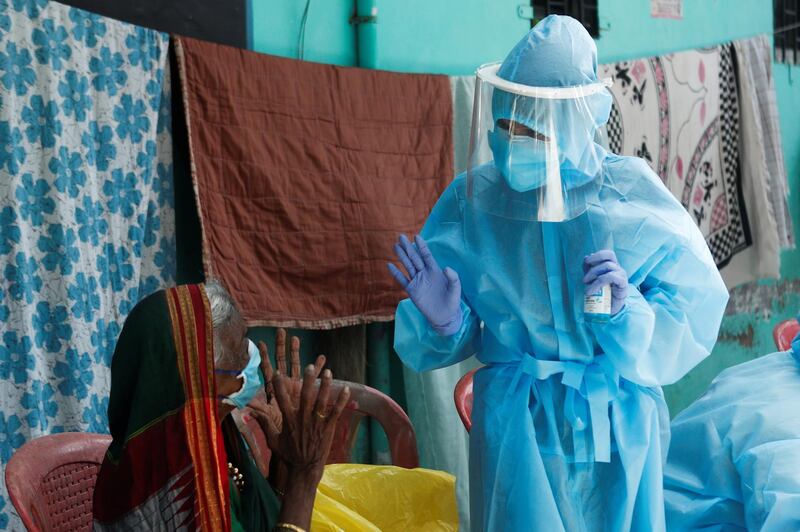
(320, 414)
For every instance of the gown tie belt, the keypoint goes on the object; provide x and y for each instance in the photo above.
(590, 388)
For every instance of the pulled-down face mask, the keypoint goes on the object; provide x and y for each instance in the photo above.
(251, 378)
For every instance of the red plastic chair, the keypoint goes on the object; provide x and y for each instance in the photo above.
(784, 333)
(364, 401)
(463, 398)
(51, 479)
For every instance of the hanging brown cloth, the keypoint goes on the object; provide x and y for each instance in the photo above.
(305, 174)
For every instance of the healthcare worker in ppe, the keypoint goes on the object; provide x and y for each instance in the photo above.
(734, 460)
(570, 426)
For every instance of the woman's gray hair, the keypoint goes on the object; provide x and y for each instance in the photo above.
(223, 314)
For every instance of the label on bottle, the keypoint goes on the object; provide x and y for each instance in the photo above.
(598, 303)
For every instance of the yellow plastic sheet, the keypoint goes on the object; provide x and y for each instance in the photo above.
(355, 497)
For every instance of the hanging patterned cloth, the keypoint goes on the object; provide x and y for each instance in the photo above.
(689, 116)
(86, 210)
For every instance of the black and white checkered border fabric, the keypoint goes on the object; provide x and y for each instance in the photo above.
(735, 235)
(614, 129)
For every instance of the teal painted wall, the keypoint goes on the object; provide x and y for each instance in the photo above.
(787, 87)
(627, 30)
(454, 36)
(446, 36)
(443, 37)
(329, 37)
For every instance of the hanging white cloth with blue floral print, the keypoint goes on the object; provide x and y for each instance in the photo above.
(86, 210)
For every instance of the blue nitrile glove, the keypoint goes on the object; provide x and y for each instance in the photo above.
(435, 292)
(602, 269)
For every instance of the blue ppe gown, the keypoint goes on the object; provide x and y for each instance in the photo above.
(570, 427)
(734, 460)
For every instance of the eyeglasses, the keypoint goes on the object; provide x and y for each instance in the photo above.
(515, 128)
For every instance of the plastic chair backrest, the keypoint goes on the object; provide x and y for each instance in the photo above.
(364, 402)
(463, 398)
(50, 480)
(784, 333)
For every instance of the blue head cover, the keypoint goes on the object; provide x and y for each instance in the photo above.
(557, 52)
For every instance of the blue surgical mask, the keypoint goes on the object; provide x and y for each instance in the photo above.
(521, 159)
(251, 377)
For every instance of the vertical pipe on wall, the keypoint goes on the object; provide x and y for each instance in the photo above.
(366, 18)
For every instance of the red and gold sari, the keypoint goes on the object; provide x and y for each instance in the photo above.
(167, 468)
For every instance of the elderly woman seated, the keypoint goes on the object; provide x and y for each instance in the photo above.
(177, 461)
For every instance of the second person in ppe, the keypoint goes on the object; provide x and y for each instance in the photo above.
(570, 427)
(734, 462)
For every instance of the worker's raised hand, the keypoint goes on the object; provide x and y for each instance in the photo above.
(602, 268)
(435, 292)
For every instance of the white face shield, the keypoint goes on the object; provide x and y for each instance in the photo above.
(546, 163)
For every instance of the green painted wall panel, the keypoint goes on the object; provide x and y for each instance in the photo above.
(743, 336)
